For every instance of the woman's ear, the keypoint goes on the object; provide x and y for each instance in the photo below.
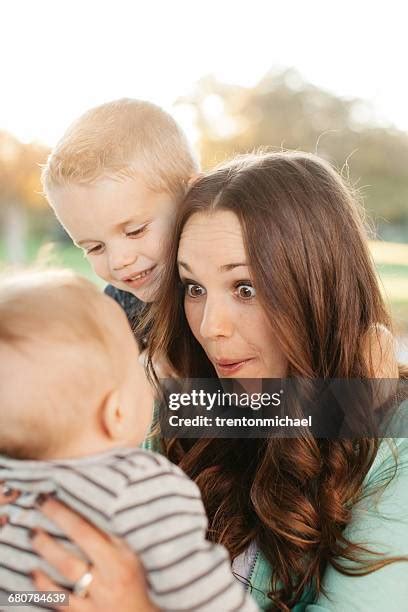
(112, 417)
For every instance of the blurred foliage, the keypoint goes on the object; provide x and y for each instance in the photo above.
(282, 111)
(20, 172)
(23, 209)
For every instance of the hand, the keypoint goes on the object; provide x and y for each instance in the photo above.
(118, 577)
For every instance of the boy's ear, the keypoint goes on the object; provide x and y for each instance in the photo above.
(112, 418)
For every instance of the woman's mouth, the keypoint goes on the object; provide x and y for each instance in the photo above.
(137, 280)
(227, 367)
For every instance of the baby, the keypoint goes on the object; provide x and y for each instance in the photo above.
(75, 403)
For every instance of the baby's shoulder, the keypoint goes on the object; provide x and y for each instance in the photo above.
(145, 469)
(140, 460)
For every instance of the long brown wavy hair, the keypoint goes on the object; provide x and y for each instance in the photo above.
(311, 267)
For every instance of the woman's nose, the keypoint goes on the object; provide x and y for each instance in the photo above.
(217, 321)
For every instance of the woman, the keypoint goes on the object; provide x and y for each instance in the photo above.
(276, 281)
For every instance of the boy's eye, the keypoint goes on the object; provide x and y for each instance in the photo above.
(246, 291)
(194, 291)
(137, 231)
(94, 249)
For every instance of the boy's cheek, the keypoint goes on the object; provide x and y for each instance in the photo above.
(99, 269)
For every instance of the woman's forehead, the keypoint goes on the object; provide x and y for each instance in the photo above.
(216, 236)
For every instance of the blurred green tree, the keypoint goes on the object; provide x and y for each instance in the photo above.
(283, 111)
(20, 192)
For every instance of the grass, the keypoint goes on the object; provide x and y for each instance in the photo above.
(392, 253)
(391, 261)
(58, 254)
(392, 265)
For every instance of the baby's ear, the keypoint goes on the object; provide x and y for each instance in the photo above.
(112, 418)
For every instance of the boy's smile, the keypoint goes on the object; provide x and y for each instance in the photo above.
(138, 280)
(122, 226)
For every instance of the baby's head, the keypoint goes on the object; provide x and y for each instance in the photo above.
(71, 382)
(114, 181)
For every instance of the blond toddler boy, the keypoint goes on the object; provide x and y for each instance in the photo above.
(114, 181)
(75, 403)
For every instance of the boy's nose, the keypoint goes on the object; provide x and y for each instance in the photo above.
(121, 259)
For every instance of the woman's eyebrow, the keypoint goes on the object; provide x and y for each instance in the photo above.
(231, 266)
(224, 268)
(185, 266)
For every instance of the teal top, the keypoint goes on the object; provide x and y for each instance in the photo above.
(379, 521)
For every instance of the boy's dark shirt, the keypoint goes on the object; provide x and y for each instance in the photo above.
(134, 309)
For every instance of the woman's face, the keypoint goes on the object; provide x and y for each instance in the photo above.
(220, 301)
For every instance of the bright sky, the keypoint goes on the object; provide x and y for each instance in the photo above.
(60, 57)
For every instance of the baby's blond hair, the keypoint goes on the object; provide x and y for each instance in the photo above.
(121, 138)
(55, 302)
(55, 311)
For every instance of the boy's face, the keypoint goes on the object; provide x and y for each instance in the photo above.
(122, 226)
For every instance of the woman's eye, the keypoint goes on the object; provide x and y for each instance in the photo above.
(246, 292)
(194, 291)
(136, 232)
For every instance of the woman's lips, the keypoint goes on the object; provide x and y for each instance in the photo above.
(228, 367)
(139, 279)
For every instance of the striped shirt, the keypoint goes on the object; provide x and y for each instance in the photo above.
(136, 495)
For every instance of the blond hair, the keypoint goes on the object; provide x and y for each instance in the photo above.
(121, 138)
(50, 315)
(55, 302)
